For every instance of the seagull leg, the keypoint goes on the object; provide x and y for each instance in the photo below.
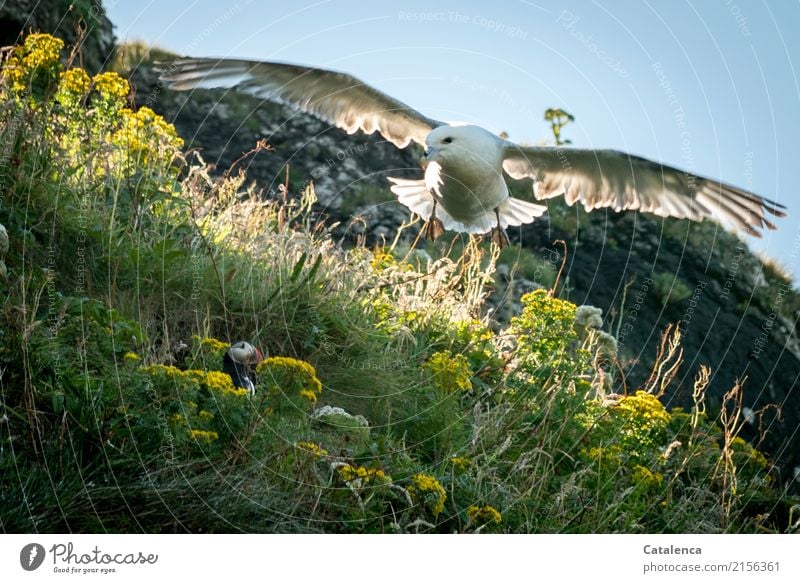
(433, 227)
(499, 234)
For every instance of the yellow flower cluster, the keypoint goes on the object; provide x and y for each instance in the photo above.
(645, 407)
(207, 342)
(219, 381)
(484, 515)
(749, 453)
(546, 324)
(204, 436)
(311, 448)
(645, 477)
(74, 87)
(308, 395)
(292, 376)
(214, 380)
(382, 259)
(38, 56)
(131, 357)
(164, 370)
(426, 491)
(604, 455)
(111, 87)
(460, 464)
(205, 416)
(451, 372)
(360, 476)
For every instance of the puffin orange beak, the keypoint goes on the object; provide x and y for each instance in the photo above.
(258, 356)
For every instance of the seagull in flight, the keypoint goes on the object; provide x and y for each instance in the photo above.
(464, 187)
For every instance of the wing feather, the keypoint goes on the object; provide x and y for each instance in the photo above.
(607, 178)
(338, 98)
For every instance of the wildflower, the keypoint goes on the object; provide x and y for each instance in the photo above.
(293, 376)
(218, 381)
(426, 491)
(484, 515)
(73, 88)
(460, 464)
(546, 324)
(312, 448)
(205, 416)
(451, 372)
(645, 477)
(212, 343)
(203, 436)
(131, 357)
(310, 395)
(34, 64)
(223, 383)
(337, 416)
(111, 87)
(589, 316)
(168, 371)
(643, 406)
(359, 476)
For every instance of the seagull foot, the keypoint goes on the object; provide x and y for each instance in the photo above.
(500, 237)
(434, 229)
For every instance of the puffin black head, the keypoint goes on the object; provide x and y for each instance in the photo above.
(239, 362)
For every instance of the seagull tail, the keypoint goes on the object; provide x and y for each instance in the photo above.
(515, 212)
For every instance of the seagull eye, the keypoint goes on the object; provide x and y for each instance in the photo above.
(447, 140)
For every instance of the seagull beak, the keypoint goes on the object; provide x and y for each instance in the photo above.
(426, 158)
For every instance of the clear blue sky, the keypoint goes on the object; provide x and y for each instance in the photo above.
(710, 86)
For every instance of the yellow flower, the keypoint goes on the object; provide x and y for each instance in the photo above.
(197, 376)
(210, 343)
(426, 491)
(460, 464)
(360, 476)
(646, 477)
(310, 395)
(34, 63)
(218, 381)
(169, 371)
(131, 357)
(450, 371)
(74, 87)
(111, 87)
(291, 375)
(204, 436)
(205, 416)
(484, 515)
(645, 407)
(312, 448)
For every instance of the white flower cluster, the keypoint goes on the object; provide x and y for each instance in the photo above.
(589, 316)
(337, 416)
(3, 251)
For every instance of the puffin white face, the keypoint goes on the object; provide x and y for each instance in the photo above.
(245, 353)
(449, 144)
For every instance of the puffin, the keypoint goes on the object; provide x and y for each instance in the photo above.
(239, 363)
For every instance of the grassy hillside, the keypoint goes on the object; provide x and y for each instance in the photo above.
(389, 402)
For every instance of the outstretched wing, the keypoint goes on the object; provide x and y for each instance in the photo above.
(337, 98)
(607, 178)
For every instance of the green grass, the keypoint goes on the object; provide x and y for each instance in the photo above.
(128, 271)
